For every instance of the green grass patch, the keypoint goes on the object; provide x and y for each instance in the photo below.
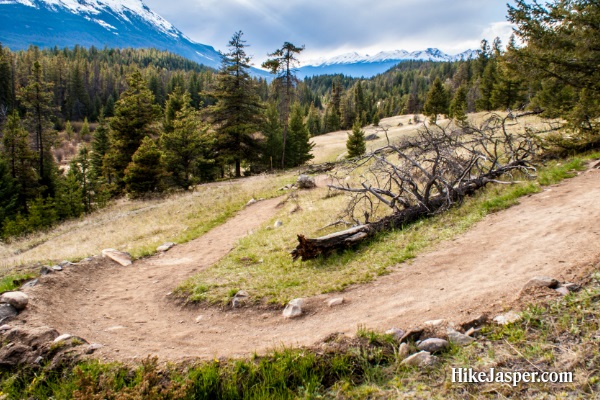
(261, 263)
(13, 281)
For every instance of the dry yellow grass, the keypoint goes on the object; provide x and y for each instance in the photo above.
(140, 226)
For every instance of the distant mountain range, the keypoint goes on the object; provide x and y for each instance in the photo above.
(130, 23)
(356, 65)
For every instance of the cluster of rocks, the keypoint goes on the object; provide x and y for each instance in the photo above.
(303, 182)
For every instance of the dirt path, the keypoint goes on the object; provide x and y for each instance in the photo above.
(554, 233)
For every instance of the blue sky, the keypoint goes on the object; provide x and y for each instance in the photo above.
(331, 27)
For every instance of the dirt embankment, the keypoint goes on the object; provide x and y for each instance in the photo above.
(130, 312)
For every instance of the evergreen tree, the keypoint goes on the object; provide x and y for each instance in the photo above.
(283, 65)
(145, 172)
(6, 78)
(313, 121)
(69, 199)
(174, 104)
(486, 87)
(356, 144)
(85, 133)
(186, 146)
(238, 113)
(37, 98)
(81, 169)
(459, 105)
(9, 193)
(298, 145)
(100, 146)
(273, 132)
(135, 116)
(436, 101)
(69, 130)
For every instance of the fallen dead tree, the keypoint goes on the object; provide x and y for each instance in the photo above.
(423, 176)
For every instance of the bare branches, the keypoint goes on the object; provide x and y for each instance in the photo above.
(424, 175)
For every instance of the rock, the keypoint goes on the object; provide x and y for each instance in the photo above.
(45, 270)
(278, 224)
(508, 318)
(473, 332)
(306, 182)
(63, 337)
(475, 322)
(403, 351)
(165, 247)
(92, 348)
(572, 287)
(66, 264)
(7, 312)
(413, 334)
(433, 345)
(459, 338)
(30, 284)
(34, 338)
(18, 300)
(5, 328)
(397, 333)
(372, 136)
(199, 318)
(338, 301)
(293, 309)
(435, 322)
(240, 298)
(420, 359)
(562, 290)
(252, 201)
(12, 356)
(57, 268)
(117, 256)
(541, 281)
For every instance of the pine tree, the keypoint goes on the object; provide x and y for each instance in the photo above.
(37, 98)
(81, 169)
(6, 78)
(238, 113)
(458, 105)
(69, 130)
(356, 144)
(69, 200)
(173, 105)
(436, 101)
(273, 132)
(313, 122)
(486, 87)
(9, 193)
(135, 116)
(100, 146)
(283, 64)
(145, 172)
(187, 145)
(85, 133)
(298, 144)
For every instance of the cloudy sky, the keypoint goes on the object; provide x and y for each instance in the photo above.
(332, 27)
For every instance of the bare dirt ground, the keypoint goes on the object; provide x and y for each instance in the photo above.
(128, 310)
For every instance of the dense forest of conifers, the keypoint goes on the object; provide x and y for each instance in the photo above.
(140, 122)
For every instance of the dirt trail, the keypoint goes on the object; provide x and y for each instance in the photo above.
(553, 233)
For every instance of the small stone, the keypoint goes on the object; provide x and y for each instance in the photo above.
(7, 312)
(403, 351)
(572, 287)
(18, 300)
(45, 270)
(92, 348)
(30, 284)
(5, 328)
(306, 182)
(252, 201)
(242, 294)
(540, 282)
(165, 247)
(293, 309)
(63, 337)
(39, 360)
(115, 328)
(117, 256)
(473, 331)
(397, 333)
(562, 290)
(435, 322)
(66, 264)
(57, 268)
(413, 334)
(420, 359)
(199, 318)
(508, 318)
(278, 224)
(338, 301)
(433, 345)
(475, 322)
(459, 338)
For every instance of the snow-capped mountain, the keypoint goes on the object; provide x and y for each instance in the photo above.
(356, 65)
(110, 23)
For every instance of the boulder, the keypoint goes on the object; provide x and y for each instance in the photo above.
(403, 351)
(508, 318)
(541, 282)
(240, 298)
(459, 338)
(92, 348)
(433, 345)
(337, 301)
(117, 256)
(165, 247)
(293, 309)
(306, 182)
(18, 300)
(396, 333)
(7, 312)
(420, 359)
(475, 322)
(413, 334)
(34, 337)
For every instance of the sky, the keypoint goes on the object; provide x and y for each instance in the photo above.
(329, 28)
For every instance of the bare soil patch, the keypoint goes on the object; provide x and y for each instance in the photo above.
(129, 310)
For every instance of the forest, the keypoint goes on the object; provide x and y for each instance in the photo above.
(80, 126)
